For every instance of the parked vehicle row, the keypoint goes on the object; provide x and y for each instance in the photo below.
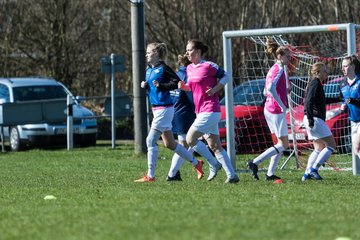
(15, 90)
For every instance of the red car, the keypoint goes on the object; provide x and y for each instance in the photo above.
(252, 134)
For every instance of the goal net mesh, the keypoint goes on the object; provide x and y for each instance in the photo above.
(249, 71)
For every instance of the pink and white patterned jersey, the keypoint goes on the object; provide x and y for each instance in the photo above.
(201, 77)
(275, 78)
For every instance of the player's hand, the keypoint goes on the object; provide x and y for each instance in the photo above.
(156, 83)
(343, 107)
(143, 84)
(353, 101)
(181, 84)
(210, 91)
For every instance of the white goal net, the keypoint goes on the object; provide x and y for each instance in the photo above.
(246, 59)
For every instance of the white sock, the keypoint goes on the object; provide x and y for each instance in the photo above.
(274, 150)
(152, 156)
(152, 151)
(312, 158)
(356, 163)
(201, 149)
(176, 164)
(323, 157)
(225, 161)
(274, 161)
(183, 153)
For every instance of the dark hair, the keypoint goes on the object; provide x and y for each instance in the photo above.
(160, 49)
(274, 49)
(183, 60)
(199, 45)
(353, 60)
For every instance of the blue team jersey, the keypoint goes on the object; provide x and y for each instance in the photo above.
(352, 91)
(184, 114)
(168, 80)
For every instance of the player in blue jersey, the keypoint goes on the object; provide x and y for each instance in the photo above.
(350, 92)
(160, 79)
(184, 116)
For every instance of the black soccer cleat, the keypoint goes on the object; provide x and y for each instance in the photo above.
(314, 174)
(177, 177)
(272, 178)
(254, 168)
(234, 179)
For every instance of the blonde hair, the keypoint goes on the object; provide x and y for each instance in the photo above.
(314, 72)
(315, 69)
(160, 49)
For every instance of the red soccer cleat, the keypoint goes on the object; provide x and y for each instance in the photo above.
(146, 178)
(199, 170)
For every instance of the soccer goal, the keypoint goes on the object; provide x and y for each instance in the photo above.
(245, 60)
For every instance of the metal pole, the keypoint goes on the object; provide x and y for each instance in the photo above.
(351, 43)
(69, 125)
(292, 125)
(113, 116)
(138, 65)
(229, 103)
(2, 139)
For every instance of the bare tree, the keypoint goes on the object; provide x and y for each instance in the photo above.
(65, 39)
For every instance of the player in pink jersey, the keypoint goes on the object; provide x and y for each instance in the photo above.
(205, 79)
(276, 91)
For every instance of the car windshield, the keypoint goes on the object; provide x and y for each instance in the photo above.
(29, 93)
(249, 94)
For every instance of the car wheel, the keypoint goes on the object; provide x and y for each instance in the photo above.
(15, 142)
(344, 142)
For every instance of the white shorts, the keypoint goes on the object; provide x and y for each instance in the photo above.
(207, 123)
(355, 127)
(277, 123)
(319, 130)
(162, 119)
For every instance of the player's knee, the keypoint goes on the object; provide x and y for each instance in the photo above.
(215, 147)
(191, 141)
(170, 145)
(357, 149)
(149, 141)
(152, 138)
(285, 145)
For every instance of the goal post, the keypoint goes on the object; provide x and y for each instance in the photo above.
(350, 34)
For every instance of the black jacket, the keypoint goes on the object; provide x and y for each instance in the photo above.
(315, 101)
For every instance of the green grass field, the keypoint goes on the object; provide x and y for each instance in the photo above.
(96, 198)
